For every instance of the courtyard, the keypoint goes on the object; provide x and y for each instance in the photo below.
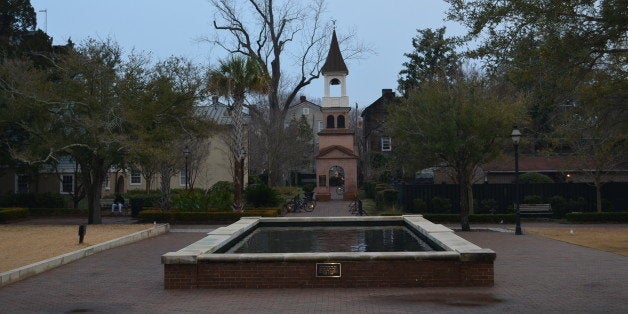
(532, 274)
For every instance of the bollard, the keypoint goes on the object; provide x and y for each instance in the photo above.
(81, 232)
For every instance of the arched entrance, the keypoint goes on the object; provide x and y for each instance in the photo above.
(336, 182)
(119, 185)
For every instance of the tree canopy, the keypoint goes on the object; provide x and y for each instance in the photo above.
(456, 125)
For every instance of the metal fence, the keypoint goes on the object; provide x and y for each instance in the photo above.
(501, 197)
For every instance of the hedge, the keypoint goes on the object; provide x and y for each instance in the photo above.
(57, 212)
(597, 217)
(7, 214)
(474, 218)
(151, 215)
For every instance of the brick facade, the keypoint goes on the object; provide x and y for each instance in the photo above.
(355, 274)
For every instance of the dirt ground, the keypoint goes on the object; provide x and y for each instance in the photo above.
(21, 245)
(610, 239)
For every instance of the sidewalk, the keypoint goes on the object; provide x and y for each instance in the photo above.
(532, 275)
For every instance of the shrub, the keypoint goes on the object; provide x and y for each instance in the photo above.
(559, 206)
(157, 215)
(308, 188)
(597, 217)
(489, 205)
(533, 177)
(56, 212)
(607, 205)
(419, 205)
(532, 199)
(221, 195)
(474, 218)
(577, 205)
(389, 196)
(149, 199)
(440, 204)
(7, 214)
(369, 188)
(261, 195)
(33, 200)
(191, 201)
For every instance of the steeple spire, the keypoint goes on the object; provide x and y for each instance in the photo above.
(334, 62)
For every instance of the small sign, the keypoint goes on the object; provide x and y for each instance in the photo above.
(328, 270)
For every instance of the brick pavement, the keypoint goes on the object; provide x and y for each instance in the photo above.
(532, 275)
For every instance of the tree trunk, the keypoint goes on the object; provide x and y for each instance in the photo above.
(464, 202)
(92, 179)
(166, 175)
(598, 196)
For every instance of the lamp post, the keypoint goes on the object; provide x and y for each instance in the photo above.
(186, 153)
(516, 137)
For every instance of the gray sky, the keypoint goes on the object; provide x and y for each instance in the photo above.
(167, 28)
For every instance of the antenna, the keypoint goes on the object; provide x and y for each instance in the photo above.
(45, 11)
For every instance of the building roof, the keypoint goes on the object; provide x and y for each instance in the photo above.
(345, 151)
(334, 62)
(387, 96)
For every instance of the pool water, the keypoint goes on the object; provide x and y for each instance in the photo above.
(316, 239)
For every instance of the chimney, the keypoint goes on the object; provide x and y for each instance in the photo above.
(303, 98)
(387, 92)
(215, 100)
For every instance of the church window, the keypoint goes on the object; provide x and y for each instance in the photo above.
(330, 121)
(341, 122)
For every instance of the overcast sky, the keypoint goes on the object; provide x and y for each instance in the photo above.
(166, 27)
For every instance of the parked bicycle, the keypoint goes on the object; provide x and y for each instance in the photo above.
(356, 209)
(298, 204)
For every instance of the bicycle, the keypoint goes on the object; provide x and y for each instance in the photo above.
(355, 208)
(297, 204)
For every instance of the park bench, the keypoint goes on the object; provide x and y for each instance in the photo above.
(105, 204)
(535, 209)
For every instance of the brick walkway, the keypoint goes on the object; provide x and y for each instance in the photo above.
(532, 275)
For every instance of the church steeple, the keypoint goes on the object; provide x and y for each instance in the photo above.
(334, 73)
(335, 62)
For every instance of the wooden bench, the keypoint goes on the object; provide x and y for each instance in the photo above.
(535, 209)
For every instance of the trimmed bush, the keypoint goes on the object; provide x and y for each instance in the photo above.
(419, 205)
(474, 218)
(261, 195)
(151, 215)
(33, 200)
(489, 205)
(597, 217)
(441, 205)
(150, 199)
(533, 177)
(388, 196)
(7, 214)
(57, 212)
(559, 206)
(532, 199)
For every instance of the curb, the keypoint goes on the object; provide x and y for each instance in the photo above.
(24, 272)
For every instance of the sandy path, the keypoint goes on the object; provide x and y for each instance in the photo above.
(21, 245)
(610, 239)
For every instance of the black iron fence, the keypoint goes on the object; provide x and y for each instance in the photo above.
(501, 197)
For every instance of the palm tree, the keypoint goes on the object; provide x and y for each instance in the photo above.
(234, 78)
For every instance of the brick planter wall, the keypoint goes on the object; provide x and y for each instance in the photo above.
(394, 273)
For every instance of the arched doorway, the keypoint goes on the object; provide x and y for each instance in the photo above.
(119, 185)
(336, 182)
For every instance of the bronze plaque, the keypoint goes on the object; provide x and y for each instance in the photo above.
(328, 270)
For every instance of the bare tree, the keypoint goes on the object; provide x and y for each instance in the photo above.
(270, 32)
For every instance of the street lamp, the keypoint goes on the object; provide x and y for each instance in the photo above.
(516, 137)
(186, 153)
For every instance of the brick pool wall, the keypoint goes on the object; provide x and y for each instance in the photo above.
(394, 273)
